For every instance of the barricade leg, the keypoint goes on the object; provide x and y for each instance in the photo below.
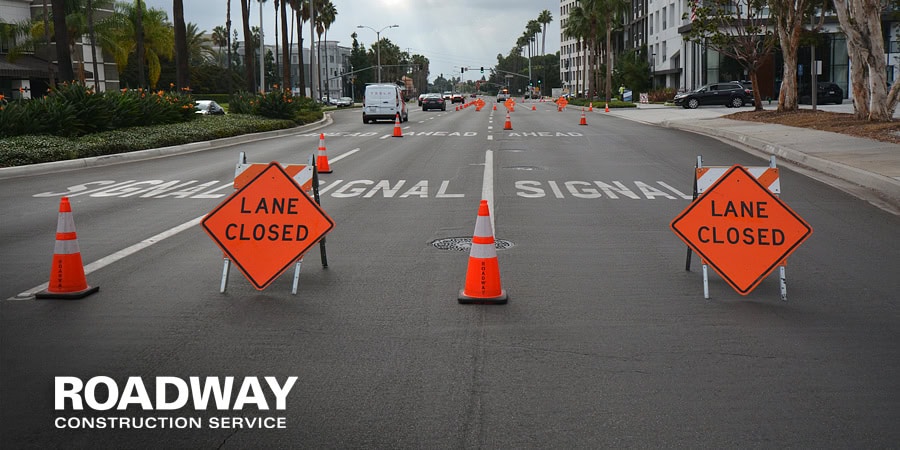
(705, 281)
(225, 269)
(782, 283)
(296, 276)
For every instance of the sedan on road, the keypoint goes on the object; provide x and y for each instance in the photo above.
(730, 94)
(433, 101)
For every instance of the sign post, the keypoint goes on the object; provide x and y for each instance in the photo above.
(266, 226)
(740, 228)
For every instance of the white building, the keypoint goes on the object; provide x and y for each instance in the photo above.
(31, 72)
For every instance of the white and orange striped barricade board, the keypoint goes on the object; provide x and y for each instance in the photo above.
(305, 175)
(767, 176)
(706, 176)
(301, 173)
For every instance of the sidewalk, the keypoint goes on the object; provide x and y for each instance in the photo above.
(872, 165)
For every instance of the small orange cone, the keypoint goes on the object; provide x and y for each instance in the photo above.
(583, 119)
(607, 107)
(495, 106)
(508, 124)
(591, 107)
(322, 159)
(483, 272)
(397, 131)
(67, 279)
(534, 107)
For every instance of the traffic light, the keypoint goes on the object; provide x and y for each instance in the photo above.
(462, 70)
(482, 69)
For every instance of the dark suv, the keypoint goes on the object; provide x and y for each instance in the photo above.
(730, 94)
(828, 93)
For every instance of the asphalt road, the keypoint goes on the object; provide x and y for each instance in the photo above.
(606, 340)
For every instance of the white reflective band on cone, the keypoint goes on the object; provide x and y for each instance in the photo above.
(483, 251)
(66, 247)
(483, 227)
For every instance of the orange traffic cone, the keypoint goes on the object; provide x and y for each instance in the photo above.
(583, 119)
(483, 272)
(397, 131)
(607, 107)
(508, 124)
(534, 107)
(67, 279)
(591, 107)
(495, 106)
(322, 159)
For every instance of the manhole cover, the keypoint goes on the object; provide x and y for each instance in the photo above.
(464, 244)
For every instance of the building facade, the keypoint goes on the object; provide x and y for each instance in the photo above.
(660, 26)
(29, 74)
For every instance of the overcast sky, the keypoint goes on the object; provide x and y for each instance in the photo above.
(450, 33)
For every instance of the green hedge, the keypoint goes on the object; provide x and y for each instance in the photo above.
(22, 150)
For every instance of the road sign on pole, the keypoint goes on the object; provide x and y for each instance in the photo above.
(741, 229)
(267, 225)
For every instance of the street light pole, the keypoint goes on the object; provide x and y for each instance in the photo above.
(378, 44)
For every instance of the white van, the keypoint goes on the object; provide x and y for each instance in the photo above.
(384, 102)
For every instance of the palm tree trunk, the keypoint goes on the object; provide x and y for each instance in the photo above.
(182, 69)
(286, 52)
(90, 19)
(47, 38)
(63, 56)
(249, 66)
(301, 74)
(139, 38)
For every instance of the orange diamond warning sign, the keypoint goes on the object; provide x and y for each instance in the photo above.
(267, 225)
(741, 229)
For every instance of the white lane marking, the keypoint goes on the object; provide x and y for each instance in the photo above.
(490, 137)
(107, 260)
(487, 185)
(340, 157)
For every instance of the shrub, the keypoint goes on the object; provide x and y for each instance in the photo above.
(76, 110)
(661, 95)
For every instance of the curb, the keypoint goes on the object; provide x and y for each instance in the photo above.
(887, 188)
(140, 155)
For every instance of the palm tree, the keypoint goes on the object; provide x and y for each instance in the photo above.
(578, 27)
(588, 12)
(228, 39)
(611, 11)
(199, 46)
(182, 70)
(301, 9)
(249, 67)
(62, 40)
(129, 29)
(326, 17)
(139, 36)
(285, 52)
(544, 18)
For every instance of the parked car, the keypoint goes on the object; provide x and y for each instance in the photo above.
(434, 101)
(828, 92)
(421, 97)
(343, 102)
(730, 94)
(208, 107)
(448, 95)
(457, 98)
(502, 96)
